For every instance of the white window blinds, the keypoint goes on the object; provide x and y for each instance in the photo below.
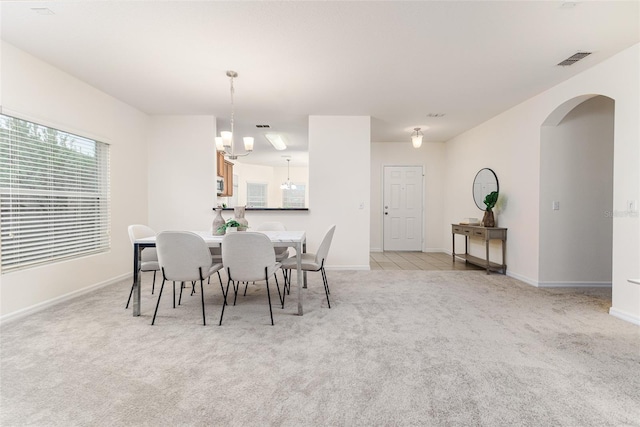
(54, 194)
(256, 195)
(294, 198)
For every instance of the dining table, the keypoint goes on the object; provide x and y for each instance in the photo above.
(293, 239)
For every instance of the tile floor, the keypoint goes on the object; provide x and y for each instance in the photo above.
(416, 261)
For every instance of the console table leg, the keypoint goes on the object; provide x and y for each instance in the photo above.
(453, 247)
(487, 246)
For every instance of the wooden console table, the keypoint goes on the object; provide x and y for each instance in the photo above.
(485, 233)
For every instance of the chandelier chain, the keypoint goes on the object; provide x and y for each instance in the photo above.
(232, 109)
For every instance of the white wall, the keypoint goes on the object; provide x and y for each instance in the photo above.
(182, 172)
(339, 174)
(36, 91)
(510, 145)
(431, 157)
(576, 170)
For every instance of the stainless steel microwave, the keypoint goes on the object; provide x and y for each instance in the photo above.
(219, 185)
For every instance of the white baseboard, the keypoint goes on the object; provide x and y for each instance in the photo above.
(539, 284)
(574, 284)
(628, 317)
(524, 279)
(428, 250)
(66, 297)
(348, 267)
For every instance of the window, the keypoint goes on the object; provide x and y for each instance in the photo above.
(54, 195)
(256, 195)
(294, 198)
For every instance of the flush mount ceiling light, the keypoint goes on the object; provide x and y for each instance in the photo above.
(416, 138)
(288, 185)
(224, 142)
(276, 140)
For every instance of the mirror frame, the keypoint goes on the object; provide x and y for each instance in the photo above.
(480, 203)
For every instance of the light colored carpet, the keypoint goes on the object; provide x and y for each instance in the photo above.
(396, 348)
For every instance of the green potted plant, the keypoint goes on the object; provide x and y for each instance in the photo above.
(231, 224)
(490, 202)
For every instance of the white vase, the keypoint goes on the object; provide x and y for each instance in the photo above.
(238, 213)
(218, 221)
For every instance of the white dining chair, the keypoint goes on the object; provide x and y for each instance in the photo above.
(249, 257)
(310, 262)
(149, 256)
(184, 257)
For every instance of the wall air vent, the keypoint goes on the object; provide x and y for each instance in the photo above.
(574, 58)
(263, 126)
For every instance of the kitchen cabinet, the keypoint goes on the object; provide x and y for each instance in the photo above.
(225, 170)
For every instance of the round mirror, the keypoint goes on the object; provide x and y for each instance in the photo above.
(485, 182)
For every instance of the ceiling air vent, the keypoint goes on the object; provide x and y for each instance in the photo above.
(263, 126)
(574, 58)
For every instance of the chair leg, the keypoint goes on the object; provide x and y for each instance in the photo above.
(268, 295)
(181, 288)
(174, 294)
(245, 288)
(225, 302)
(326, 285)
(204, 320)
(130, 294)
(287, 281)
(280, 297)
(236, 287)
(284, 287)
(153, 285)
(158, 303)
(224, 295)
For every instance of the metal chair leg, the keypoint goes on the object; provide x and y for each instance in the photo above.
(225, 302)
(268, 294)
(236, 287)
(280, 297)
(130, 294)
(224, 295)
(153, 285)
(158, 303)
(174, 294)
(204, 320)
(326, 285)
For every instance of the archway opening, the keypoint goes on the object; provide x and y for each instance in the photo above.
(576, 194)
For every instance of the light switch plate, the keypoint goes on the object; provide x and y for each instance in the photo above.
(555, 206)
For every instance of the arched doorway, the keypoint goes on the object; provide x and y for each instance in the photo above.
(576, 194)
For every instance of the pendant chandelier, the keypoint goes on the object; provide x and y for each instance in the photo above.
(225, 142)
(288, 185)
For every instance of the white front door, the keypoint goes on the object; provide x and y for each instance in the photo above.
(402, 209)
